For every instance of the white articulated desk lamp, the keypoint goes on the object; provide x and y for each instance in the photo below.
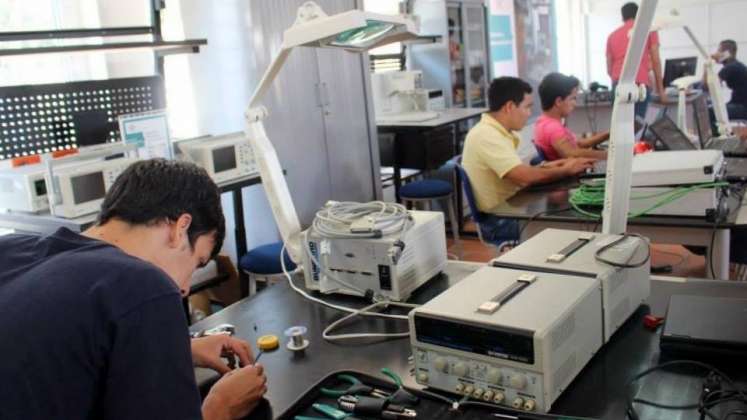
(355, 31)
(673, 20)
(682, 84)
(622, 136)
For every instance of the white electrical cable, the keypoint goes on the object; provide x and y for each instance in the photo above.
(330, 305)
(339, 337)
(329, 274)
(337, 220)
(353, 312)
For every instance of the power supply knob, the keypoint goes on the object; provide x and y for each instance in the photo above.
(518, 381)
(461, 369)
(423, 378)
(488, 395)
(441, 364)
(493, 376)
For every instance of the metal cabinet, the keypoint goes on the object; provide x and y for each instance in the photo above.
(319, 120)
(459, 64)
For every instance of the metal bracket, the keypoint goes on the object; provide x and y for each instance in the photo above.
(308, 12)
(255, 114)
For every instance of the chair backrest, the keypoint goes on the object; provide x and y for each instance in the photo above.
(477, 215)
(540, 155)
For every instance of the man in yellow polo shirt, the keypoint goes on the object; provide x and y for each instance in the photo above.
(492, 163)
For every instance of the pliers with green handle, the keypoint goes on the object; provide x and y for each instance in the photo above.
(329, 411)
(401, 395)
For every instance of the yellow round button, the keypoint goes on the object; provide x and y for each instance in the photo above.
(268, 342)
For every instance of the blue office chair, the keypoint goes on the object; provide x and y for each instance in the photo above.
(540, 155)
(492, 230)
(263, 263)
(426, 190)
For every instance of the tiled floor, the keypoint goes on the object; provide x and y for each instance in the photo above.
(683, 262)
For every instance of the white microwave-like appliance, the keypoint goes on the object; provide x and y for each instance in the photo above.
(225, 157)
(81, 186)
(24, 189)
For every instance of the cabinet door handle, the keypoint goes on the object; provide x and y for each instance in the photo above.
(318, 91)
(325, 98)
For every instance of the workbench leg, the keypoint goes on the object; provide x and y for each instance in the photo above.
(719, 253)
(240, 236)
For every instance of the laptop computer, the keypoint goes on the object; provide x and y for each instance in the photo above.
(703, 326)
(672, 138)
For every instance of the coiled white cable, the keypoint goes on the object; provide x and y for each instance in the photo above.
(338, 219)
(353, 312)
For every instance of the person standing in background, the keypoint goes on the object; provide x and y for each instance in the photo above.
(617, 47)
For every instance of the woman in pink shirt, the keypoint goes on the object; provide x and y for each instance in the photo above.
(558, 96)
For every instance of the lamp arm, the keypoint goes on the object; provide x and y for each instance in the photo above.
(717, 100)
(273, 179)
(714, 87)
(620, 154)
(697, 43)
(269, 76)
(683, 84)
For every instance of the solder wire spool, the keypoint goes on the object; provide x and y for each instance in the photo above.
(296, 341)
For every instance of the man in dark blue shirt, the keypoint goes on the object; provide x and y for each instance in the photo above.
(92, 324)
(734, 74)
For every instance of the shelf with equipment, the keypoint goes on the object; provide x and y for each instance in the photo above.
(458, 63)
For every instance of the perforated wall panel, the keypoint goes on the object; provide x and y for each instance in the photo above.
(44, 118)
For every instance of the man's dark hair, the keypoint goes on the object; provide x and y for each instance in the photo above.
(505, 89)
(629, 10)
(555, 85)
(729, 45)
(159, 190)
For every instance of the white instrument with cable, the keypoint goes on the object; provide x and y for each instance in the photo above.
(377, 250)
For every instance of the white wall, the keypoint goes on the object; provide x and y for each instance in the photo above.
(585, 25)
(206, 93)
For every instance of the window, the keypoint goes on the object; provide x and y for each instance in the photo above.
(388, 57)
(39, 15)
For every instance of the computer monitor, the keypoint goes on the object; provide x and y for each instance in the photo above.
(674, 68)
(92, 127)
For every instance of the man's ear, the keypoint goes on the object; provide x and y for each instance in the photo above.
(509, 106)
(178, 230)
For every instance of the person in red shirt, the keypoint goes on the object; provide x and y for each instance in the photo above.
(617, 47)
(558, 96)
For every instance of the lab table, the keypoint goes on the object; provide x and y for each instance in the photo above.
(404, 130)
(426, 145)
(547, 206)
(599, 391)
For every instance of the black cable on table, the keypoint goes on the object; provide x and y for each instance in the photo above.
(598, 252)
(536, 215)
(736, 394)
